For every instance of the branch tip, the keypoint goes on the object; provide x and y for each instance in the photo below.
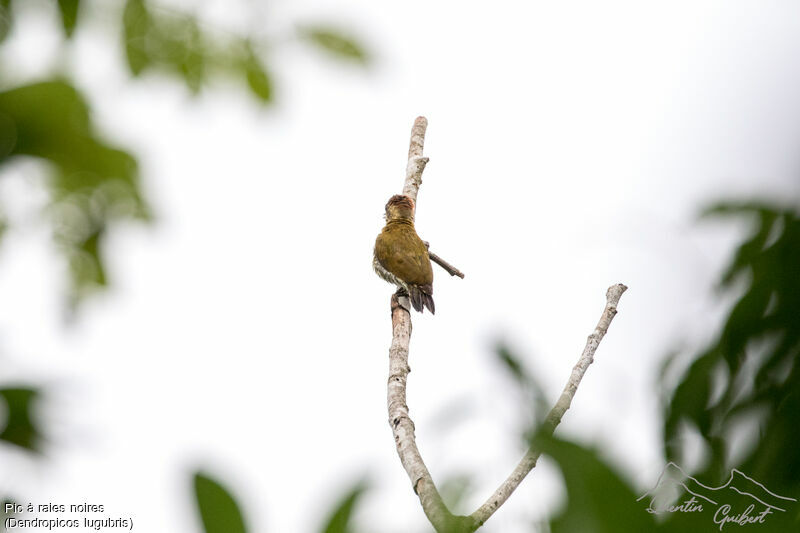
(553, 418)
(400, 421)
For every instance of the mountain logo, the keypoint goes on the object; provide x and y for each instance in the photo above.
(741, 499)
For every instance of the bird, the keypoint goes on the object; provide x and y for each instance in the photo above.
(401, 257)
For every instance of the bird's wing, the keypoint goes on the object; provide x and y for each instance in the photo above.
(403, 253)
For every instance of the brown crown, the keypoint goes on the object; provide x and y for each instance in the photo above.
(401, 200)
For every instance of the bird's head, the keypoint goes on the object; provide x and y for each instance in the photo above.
(399, 207)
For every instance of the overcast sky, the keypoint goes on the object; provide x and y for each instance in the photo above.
(571, 147)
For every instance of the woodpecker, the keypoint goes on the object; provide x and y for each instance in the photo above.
(401, 257)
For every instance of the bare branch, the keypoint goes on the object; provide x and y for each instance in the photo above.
(399, 419)
(414, 169)
(450, 269)
(557, 412)
(453, 271)
(416, 162)
(403, 427)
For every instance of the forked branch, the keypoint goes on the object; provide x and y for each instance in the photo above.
(403, 427)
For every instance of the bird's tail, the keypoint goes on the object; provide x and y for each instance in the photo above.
(421, 298)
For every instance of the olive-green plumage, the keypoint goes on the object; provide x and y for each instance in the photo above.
(401, 257)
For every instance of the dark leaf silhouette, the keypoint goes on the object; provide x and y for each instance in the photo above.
(69, 15)
(218, 510)
(258, 80)
(759, 349)
(21, 428)
(598, 499)
(757, 354)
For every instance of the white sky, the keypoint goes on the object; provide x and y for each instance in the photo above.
(571, 147)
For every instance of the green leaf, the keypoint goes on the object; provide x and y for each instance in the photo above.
(512, 364)
(92, 184)
(69, 15)
(527, 382)
(258, 80)
(185, 49)
(689, 401)
(179, 45)
(759, 346)
(599, 500)
(137, 25)
(339, 519)
(335, 43)
(218, 510)
(5, 19)
(193, 61)
(21, 428)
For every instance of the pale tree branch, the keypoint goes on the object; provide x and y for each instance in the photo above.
(414, 168)
(403, 427)
(450, 269)
(399, 419)
(613, 294)
(416, 162)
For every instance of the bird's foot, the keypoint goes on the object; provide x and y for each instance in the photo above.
(401, 299)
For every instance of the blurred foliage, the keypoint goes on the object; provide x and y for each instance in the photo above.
(220, 513)
(3, 225)
(91, 184)
(748, 379)
(757, 351)
(758, 348)
(3, 513)
(335, 43)
(175, 43)
(5, 19)
(258, 80)
(599, 500)
(94, 184)
(535, 398)
(339, 520)
(20, 426)
(454, 492)
(69, 15)
(756, 356)
(218, 510)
